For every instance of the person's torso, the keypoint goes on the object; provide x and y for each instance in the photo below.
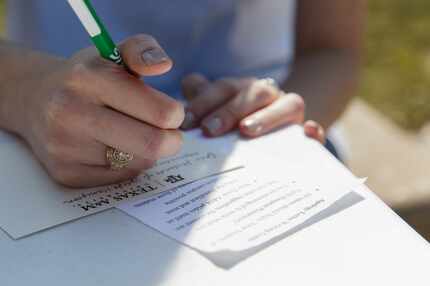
(217, 38)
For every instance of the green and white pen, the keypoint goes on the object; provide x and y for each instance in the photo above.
(108, 50)
(97, 31)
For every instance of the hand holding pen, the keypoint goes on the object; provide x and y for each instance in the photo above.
(84, 104)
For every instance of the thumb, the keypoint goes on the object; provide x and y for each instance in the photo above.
(144, 56)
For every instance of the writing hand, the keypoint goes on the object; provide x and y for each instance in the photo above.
(72, 110)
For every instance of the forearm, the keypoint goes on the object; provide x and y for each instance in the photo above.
(326, 80)
(17, 66)
(18, 62)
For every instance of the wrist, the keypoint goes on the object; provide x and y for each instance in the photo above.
(19, 87)
(11, 114)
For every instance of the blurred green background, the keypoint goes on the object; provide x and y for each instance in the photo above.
(396, 78)
(1, 15)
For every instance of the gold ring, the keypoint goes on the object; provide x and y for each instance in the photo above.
(117, 159)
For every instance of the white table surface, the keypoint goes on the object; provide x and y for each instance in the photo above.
(365, 244)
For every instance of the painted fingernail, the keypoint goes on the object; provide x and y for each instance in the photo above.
(154, 56)
(213, 125)
(252, 126)
(188, 120)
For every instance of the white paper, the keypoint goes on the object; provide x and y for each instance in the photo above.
(234, 212)
(30, 201)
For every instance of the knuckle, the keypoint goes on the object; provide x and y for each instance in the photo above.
(59, 109)
(227, 85)
(77, 76)
(192, 79)
(53, 113)
(266, 93)
(171, 115)
(58, 115)
(163, 118)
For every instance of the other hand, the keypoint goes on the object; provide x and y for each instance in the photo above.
(255, 107)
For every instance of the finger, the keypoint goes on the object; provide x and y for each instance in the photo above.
(93, 153)
(119, 131)
(83, 176)
(314, 131)
(143, 55)
(193, 84)
(86, 151)
(112, 86)
(257, 96)
(288, 109)
(211, 98)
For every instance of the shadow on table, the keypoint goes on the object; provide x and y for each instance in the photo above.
(228, 259)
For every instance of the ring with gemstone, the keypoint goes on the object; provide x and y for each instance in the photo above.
(118, 159)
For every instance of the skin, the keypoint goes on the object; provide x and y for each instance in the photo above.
(324, 76)
(69, 110)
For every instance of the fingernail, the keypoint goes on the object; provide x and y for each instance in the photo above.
(154, 56)
(252, 126)
(188, 120)
(213, 125)
(312, 124)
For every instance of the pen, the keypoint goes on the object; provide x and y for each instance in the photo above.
(108, 50)
(97, 31)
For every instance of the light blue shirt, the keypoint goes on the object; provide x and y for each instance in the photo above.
(216, 38)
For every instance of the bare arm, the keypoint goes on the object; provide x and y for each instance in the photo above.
(18, 65)
(328, 50)
(18, 62)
